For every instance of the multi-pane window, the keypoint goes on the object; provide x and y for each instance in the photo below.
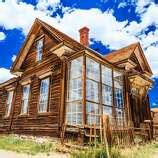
(107, 90)
(92, 111)
(74, 115)
(25, 99)
(39, 49)
(44, 95)
(92, 91)
(118, 94)
(74, 93)
(9, 103)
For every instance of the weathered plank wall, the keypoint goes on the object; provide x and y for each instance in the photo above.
(35, 123)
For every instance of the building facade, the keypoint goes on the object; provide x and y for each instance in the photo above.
(62, 81)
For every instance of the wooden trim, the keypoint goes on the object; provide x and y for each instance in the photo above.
(38, 112)
(113, 96)
(63, 93)
(84, 90)
(101, 92)
(103, 61)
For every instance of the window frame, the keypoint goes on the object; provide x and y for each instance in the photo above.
(8, 113)
(79, 100)
(42, 49)
(39, 96)
(28, 100)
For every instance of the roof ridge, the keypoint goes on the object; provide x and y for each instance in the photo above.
(60, 35)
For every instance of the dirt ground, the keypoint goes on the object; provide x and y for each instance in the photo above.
(10, 154)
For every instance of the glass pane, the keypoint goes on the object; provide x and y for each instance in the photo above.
(76, 68)
(92, 91)
(106, 75)
(118, 89)
(25, 99)
(44, 91)
(92, 111)
(9, 103)
(107, 110)
(107, 95)
(74, 113)
(119, 113)
(75, 89)
(92, 69)
(39, 49)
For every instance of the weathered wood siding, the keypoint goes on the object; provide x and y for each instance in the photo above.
(36, 123)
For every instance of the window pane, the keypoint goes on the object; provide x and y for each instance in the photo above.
(74, 93)
(9, 103)
(76, 68)
(92, 69)
(106, 75)
(107, 110)
(107, 95)
(39, 49)
(118, 89)
(44, 91)
(25, 99)
(92, 111)
(92, 90)
(74, 113)
(75, 89)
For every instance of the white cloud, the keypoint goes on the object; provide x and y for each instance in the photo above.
(122, 5)
(5, 75)
(13, 58)
(103, 25)
(44, 4)
(2, 36)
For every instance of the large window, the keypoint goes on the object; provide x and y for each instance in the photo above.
(9, 103)
(107, 90)
(44, 95)
(39, 49)
(118, 94)
(92, 91)
(74, 93)
(25, 99)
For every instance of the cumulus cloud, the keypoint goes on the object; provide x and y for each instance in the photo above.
(2, 36)
(13, 58)
(5, 75)
(103, 26)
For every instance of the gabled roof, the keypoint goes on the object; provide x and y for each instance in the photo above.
(59, 36)
(121, 54)
(126, 53)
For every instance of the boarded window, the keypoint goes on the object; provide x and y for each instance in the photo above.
(25, 99)
(39, 49)
(44, 92)
(9, 103)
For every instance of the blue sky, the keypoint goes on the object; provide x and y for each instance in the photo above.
(113, 24)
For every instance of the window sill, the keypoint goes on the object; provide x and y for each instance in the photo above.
(23, 115)
(43, 113)
(6, 117)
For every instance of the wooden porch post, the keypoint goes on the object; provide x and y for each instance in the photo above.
(63, 90)
(127, 100)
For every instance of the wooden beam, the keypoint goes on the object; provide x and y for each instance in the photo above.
(84, 90)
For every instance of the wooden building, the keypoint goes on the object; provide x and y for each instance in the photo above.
(62, 81)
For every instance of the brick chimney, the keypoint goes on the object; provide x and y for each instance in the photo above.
(84, 36)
